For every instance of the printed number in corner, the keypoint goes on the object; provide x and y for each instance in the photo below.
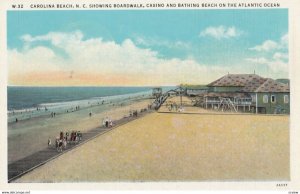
(17, 6)
(281, 185)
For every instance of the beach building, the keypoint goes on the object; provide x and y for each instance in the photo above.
(247, 93)
(192, 91)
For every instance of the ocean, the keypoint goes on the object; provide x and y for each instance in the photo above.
(30, 97)
(38, 101)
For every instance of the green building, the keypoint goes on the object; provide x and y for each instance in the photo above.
(248, 93)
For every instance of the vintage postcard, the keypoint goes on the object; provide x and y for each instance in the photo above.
(200, 94)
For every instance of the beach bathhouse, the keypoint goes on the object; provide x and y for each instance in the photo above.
(248, 93)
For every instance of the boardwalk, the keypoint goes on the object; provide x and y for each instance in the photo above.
(25, 165)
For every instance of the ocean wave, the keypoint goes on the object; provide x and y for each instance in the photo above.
(70, 106)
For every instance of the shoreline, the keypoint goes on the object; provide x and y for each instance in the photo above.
(65, 107)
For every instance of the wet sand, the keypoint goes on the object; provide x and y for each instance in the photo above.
(179, 147)
(29, 136)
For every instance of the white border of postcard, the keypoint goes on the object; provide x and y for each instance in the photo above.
(294, 56)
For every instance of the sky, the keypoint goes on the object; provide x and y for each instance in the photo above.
(144, 47)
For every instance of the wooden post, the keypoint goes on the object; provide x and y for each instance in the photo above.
(256, 103)
(180, 96)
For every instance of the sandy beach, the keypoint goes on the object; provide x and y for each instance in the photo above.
(29, 136)
(187, 105)
(178, 147)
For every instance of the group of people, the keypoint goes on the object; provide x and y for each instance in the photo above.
(38, 108)
(75, 136)
(107, 122)
(53, 114)
(133, 113)
(63, 139)
(172, 106)
(60, 144)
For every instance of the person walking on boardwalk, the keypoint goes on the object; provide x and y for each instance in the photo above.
(103, 122)
(49, 142)
(60, 145)
(106, 122)
(65, 143)
(61, 135)
(79, 135)
(67, 135)
(57, 143)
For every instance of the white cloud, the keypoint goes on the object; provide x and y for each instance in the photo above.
(147, 41)
(96, 56)
(36, 59)
(221, 32)
(56, 38)
(285, 40)
(276, 65)
(266, 46)
(276, 55)
(280, 56)
(270, 45)
(260, 60)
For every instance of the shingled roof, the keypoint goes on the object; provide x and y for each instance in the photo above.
(238, 80)
(271, 85)
(253, 84)
(250, 83)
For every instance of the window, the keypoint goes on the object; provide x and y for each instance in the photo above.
(286, 99)
(273, 98)
(265, 98)
(253, 97)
